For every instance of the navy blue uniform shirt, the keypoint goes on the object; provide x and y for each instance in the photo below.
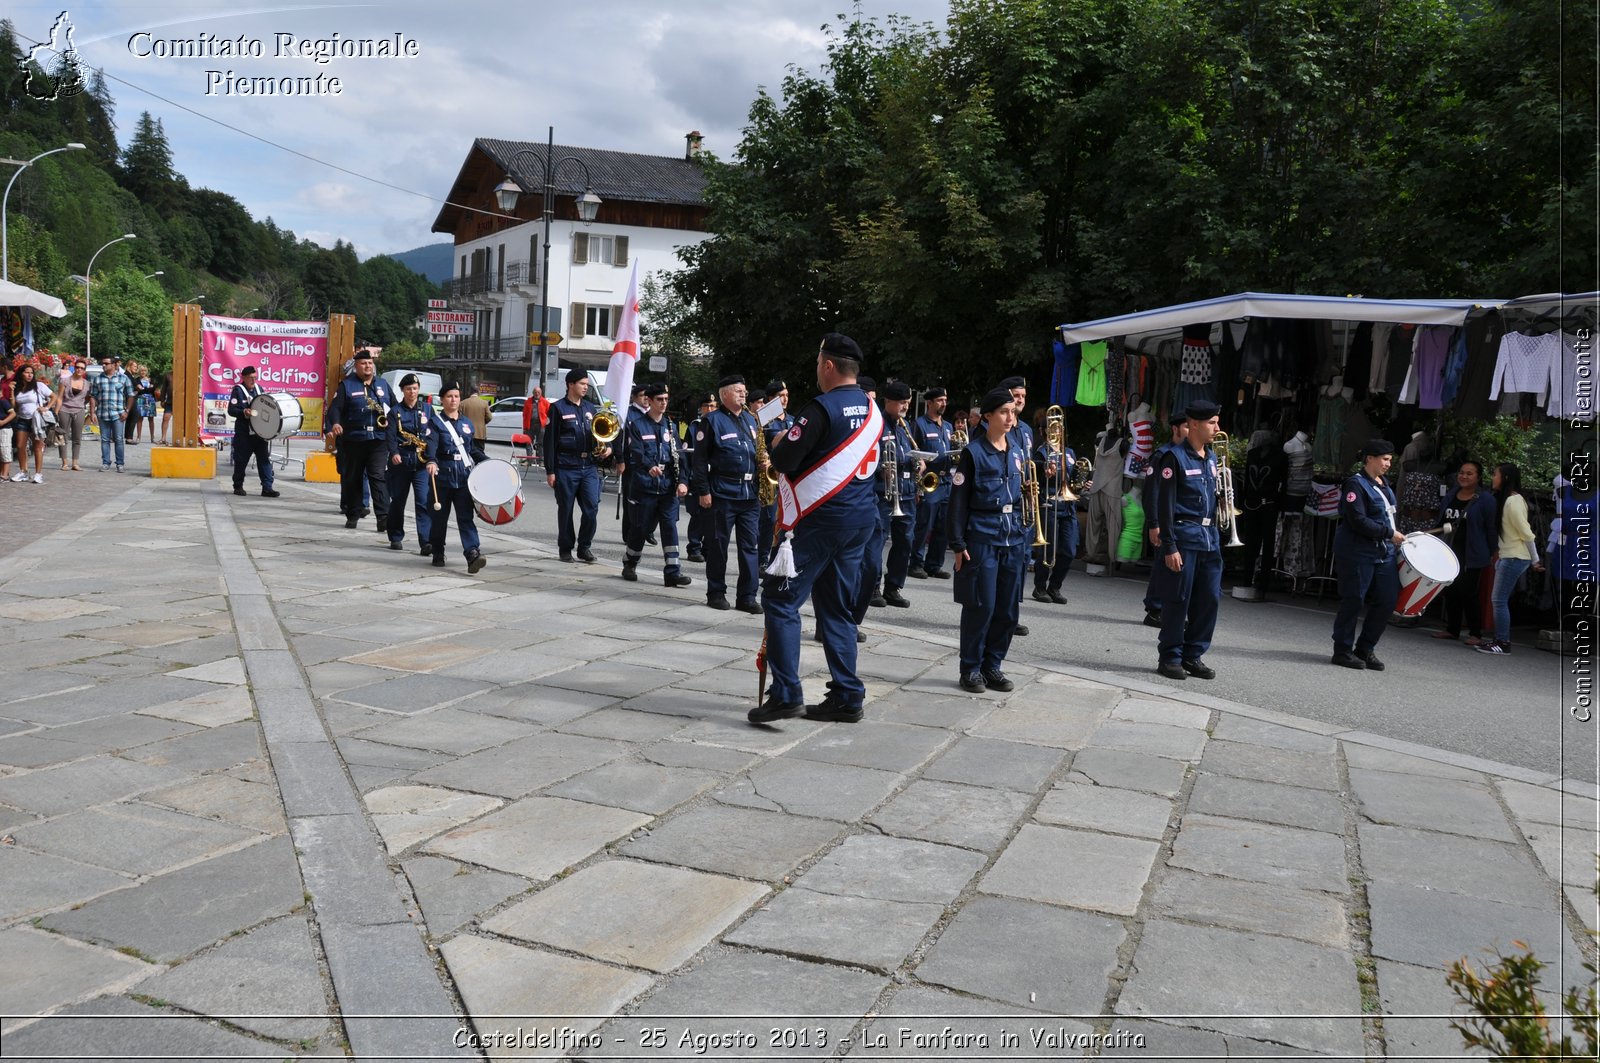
(569, 437)
(826, 424)
(350, 408)
(239, 400)
(1186, 499)
(1366, 518)
(725, 456)
(649, 443)
(986, 496)
(418, 420)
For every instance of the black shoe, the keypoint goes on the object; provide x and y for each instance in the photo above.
(896, 599)
(240, 491)
(1041, 595)
(677, 579)
(1058, 598)
(651, 539)
(878, 601)
(1346, 659)
(393, 545)
(267, 492)
(831, 711)
(773, 709)
(1152, 618)
(383, 527)
(752, 607)
(365, 512)
(1371, 660)
(425, 550)
(438, 559)
(1022, 629)
(816, 636)
(996, 680)
(567, 558)
(916, 572)
(585, 556)
(861, 637)
(1171, 671)
(630, 572)
(718, 601)
(938, 573)
(475, 564)
(972, 683)
(1199, 669)
(695, 559)
(350, 522)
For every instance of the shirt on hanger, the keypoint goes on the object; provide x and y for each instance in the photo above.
(1526, 363)
(1380, 355)
(1092, 374)
(1424, 383)
(1564, 379)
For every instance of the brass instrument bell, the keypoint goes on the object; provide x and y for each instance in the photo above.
(605, 427)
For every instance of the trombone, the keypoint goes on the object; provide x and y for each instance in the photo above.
(1030, 502)
(605, 427)
(1227, 513)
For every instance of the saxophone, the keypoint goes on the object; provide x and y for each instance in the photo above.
(766, 479)
(411, 440)
(383, 414)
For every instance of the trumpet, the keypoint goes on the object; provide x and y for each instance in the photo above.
(1030, 503)
(928, 483)
(1227, 513)
(890, 469)
(605, 428)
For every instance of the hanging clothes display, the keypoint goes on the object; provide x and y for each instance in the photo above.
(1572, 368)
(1142, 441)
(1455, 364)
(1130, 544)
(1483, 335)
(1064, 377)
(1105, 502)
(1092, 373)
(1116, 375)
(1424, 382)
(1526, 363)
(1400, 341)
(1333, 414)
(1226, 365)
(1297, 484)
(1379, 355)
(1194, 371)
(1358, 361)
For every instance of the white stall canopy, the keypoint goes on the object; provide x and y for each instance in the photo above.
(12, 294)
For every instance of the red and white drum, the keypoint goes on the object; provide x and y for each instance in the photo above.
(1427, 566)
(496, 491)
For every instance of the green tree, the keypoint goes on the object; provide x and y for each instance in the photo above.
(132, 317)
(147, 165)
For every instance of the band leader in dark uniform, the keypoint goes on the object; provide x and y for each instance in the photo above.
(724, 483)
(1364, 558)
(571, 466)
(989, 543)
(1190, 555)
(357, 419)
(657, 479)
(452, 451)
(246, 444)
(828, 464)
(410, 427)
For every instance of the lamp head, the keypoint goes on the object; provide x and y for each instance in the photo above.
(506, 194)
(588, 205)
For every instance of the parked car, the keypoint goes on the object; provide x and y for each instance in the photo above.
(505, 419)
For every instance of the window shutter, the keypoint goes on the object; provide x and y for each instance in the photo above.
(533, 259)
(622, 251)
(580, 249)
(616, 320)
(579, 316)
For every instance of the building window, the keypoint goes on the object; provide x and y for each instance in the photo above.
(605, 250)
(597, 321)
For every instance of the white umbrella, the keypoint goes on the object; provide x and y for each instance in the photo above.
(16, 295)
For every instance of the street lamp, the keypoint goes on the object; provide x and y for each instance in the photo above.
(5, 247)
(506, 194)
(196, 298)
(157, 273)
(88, 328)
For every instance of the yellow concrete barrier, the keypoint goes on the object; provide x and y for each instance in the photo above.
(183, 463)
(320, 468)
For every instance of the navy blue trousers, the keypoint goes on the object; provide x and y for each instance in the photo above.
(828, 557)
(735, 525)
(650, 513)
(580, 487)
(1189, 601)
(929, 537)
(1363, 582)
(989, 590)
(403, 480)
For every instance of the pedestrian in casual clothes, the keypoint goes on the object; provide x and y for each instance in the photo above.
(1518, 551)
(110, 400)
(165, 398)
(8, 418)
(35, 404)
(144, 407)
(72, 413)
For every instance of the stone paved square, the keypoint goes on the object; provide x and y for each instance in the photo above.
(1162, 740)
(450, 730)
(140, 840)
(1260, 852)
(413, 693)
(453, 894)
(537, 837)
(648, 788)
(986, 762)
(1129, 771)
(1265, 764)
(969, 816)
(893, 869)
(406, 815)
(735, 841)
(1101, 872)
(1291, 806)
(1421, 801)
(861, 931)
(1467, 866)
(1309, 915)
(1103, 808)
(40, 972)
(884, 746)
(1067, 723)
(1432, 929)
(522, 766)
(811, 788)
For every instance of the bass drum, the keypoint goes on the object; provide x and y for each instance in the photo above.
(275, 414)
(1427, 566)
(496, 491)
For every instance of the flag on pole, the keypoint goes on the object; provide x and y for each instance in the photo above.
(625, 352)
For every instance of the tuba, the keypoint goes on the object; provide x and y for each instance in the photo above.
(605, 428)
(1227, 513)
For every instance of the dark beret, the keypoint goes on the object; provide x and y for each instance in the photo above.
(1202, 410)
(409, 379)
(995, 399)
(866, 383)
(1377, 448)
(1177, 418)
(838, 345)
(1012, 382)
(934, 393)
(896, 391)
(708, 399)
(364, 355)
(449, 387)
(575, 375)
(729, 380)
(653, 390)
(248, 370)
(776, 388)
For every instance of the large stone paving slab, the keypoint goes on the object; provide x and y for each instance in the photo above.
(1433, 929)
(1472, 868)
(272, 970)
(893, 869)
(1422, 993)
(414, 693)
(447, 731)
(735, 841)
(110, 1027)
(176, 914)
(41, 972)
(811, 788)
(862, 931)
(203, 751)
(1030, 955)
(222, 797)
(986, 762)
(1260, 852)
(624, 725)
(1435, 804)
(406, 815)
(1129, 771)
(538, 837)
(1291, 806)
(1304, 914)
(635, 914)
(648, 788)
(1249, 984)
(1265, 764)
(522, 766)
(972, 817)
(1101, 872)
(211, 709)
(1162, 740)
(97, 780)
(885, 746)
(1231, 728)
(1105, 808)
(421, 656)
(1065, 721)
(137, 839)
(613, 678)
(453, 894)
(1544, 804)
(926, 1023)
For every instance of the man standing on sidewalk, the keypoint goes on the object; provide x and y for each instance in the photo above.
(111, 398)
(1190, 583)
(928, 540)
(570, 456)
(246, 444)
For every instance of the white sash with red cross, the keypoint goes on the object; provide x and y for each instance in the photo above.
(856, 457)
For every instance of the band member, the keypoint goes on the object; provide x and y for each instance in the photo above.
(1364, 558)
(1178, 423)
(246, 444)
(896, 443)
(777, 391)
(1060, 519)
(989, 543)
(1022, 440)
(1190, 576)
(637, 408)
(353, 417)
(829, 463)
(928, 535)
(656, 479)
(699, 527)
(570, 466)
(724, 484)
(452, 449)
(410, 422)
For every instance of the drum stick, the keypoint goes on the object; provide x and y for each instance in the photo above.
(1443, 529)
(433, 481)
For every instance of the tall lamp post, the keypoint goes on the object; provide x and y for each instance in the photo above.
(157, 273)
(88, 288)
(5, 246)
(507, 193)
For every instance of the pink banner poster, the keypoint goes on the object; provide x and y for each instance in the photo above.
(291, 357)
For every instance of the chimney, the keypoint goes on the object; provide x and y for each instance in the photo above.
(693, 140)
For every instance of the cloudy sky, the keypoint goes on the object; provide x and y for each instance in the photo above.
(621, 74)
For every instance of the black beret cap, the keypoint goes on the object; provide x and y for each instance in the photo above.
(1013, 382)
(895, 391)
(1177, 418)
(653, 390)
(575, 375)
(866, 383)
(637, 387)
(1202, 410)
(934, 393)
(448, 387)
(409, 379)
(729, 381)
(708, 399)
(838, 345)
(363, 355)
(776, 388)
(995, 399)
(1377, 448)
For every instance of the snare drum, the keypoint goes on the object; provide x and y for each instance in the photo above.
(496, 491)
(1427, 566)
(275, 414)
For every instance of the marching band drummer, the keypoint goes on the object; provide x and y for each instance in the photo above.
(569, 464)
(246, 444)
(452, 450)
(989, 543)
(352, 417)
(656, 480)
(1364, 558)
(1190, 554)
(406, 472)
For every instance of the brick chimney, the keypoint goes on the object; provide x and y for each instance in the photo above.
(692, 145)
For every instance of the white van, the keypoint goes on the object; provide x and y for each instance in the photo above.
(430, 382)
